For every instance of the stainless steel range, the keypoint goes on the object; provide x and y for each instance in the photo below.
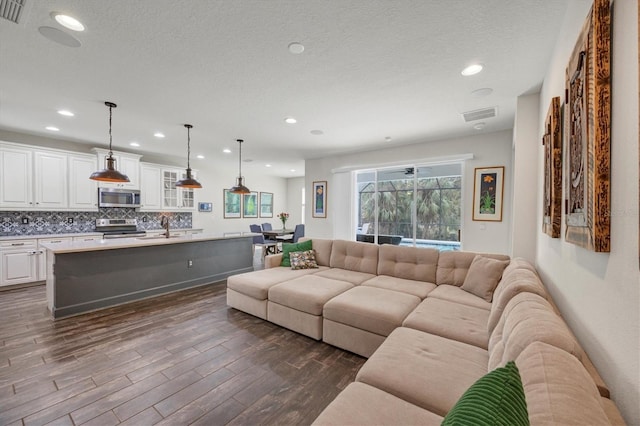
(119, 228)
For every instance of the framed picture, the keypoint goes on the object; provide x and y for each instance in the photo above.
(232, 205)
(205, 207)
(250, 204)
(320, 199)
(488, 187)
(266, 204)
(552, 142)
(588, 134)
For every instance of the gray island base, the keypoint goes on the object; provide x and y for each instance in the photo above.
(84, 278)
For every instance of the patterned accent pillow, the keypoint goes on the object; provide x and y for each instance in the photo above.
(303, 259)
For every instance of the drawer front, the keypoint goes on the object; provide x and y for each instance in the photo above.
(54, 240)
(18, 244)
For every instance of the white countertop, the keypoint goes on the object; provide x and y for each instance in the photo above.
(121, 243)
(80, 234)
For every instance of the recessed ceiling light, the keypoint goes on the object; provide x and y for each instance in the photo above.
(296, 48)
(290, 120)
(480, 126)
(226, 151)
(267, 165)
(52, 128)
(66, 113)
(158, 135)
(317, 132)
(292, 170)
(58, 36)
(480, 93)
(134, 144)
(200, 156)
(472, 69)
(68, 22)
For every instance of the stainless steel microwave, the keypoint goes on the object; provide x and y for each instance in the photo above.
(115, 197)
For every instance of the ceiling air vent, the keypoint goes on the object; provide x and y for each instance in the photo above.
(11, 9)
(480, 114)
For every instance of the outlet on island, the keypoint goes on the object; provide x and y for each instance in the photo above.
(189, 263)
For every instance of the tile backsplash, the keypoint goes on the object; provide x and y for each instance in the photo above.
(54, 222)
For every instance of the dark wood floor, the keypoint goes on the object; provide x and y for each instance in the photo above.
(183, 358)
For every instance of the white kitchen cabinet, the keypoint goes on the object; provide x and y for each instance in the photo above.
(175, 198)
(83, 192)
(126, 163)
(16, 177)
(51, 184)
(19, 262)
(88, 238)
(41, 255)
(150, 187)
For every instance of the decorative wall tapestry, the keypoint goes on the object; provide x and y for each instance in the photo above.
(552, 141)
(587, 127)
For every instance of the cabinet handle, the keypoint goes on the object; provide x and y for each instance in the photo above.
(55, 241)
(17, 244)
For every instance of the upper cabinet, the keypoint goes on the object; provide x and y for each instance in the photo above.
(150, 187)
(175, 197)
(16, 177)
(126, 163)
(33, 178)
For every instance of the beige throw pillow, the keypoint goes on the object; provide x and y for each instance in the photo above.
(483, 276)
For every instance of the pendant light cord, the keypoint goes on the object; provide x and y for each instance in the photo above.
(188, 146)
(110, 139)
(240, 158)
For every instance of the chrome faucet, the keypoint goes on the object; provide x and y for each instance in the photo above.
(164, 222)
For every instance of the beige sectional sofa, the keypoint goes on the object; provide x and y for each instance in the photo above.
(428, 333)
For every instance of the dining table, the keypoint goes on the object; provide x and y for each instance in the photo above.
(277, 233)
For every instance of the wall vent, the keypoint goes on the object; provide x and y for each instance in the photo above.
(480, 114)
(11, 9)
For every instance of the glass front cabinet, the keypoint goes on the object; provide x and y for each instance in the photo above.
(174, 197)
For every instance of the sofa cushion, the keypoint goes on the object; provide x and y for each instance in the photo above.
(514, 281)
(354, 277)
(257, 283)
(495, 399)
(307, 294)
(456, 294)
(529, 318)
(372, 309)
(354, 256)
(418, 288)
(452, 320)
(558, 389)
(483, 276)
(361, 404)
(288, 248)
(454, 265)
(323, 250)
(303, 259)
(411, 263)
(429, 371)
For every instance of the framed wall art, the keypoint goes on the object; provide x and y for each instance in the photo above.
(552, 142)
(250, 204)
(488, 187)
(232, 204)
(588, 133)
(266, 204)
(320, 199)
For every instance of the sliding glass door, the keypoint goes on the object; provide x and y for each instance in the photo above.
(413, 205)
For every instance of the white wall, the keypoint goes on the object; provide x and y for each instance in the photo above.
(525, 180)
(598, 293)
(490, 149)
(294, 201)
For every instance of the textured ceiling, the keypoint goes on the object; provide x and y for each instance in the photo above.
(371, 69)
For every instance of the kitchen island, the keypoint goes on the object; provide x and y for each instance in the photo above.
(83, 276)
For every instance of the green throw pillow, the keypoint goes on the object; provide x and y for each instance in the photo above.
(495, 399)
(288, 248)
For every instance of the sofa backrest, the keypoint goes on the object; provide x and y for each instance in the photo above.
(322, 248)
(529, 318)
(454, 265)
(411, 263)
(354, 256)
(558, 389)
(518, 277)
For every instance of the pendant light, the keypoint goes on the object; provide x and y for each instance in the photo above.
(188, 182)
(240, 188)
(109, 173)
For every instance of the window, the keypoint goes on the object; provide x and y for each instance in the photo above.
(410, 205)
